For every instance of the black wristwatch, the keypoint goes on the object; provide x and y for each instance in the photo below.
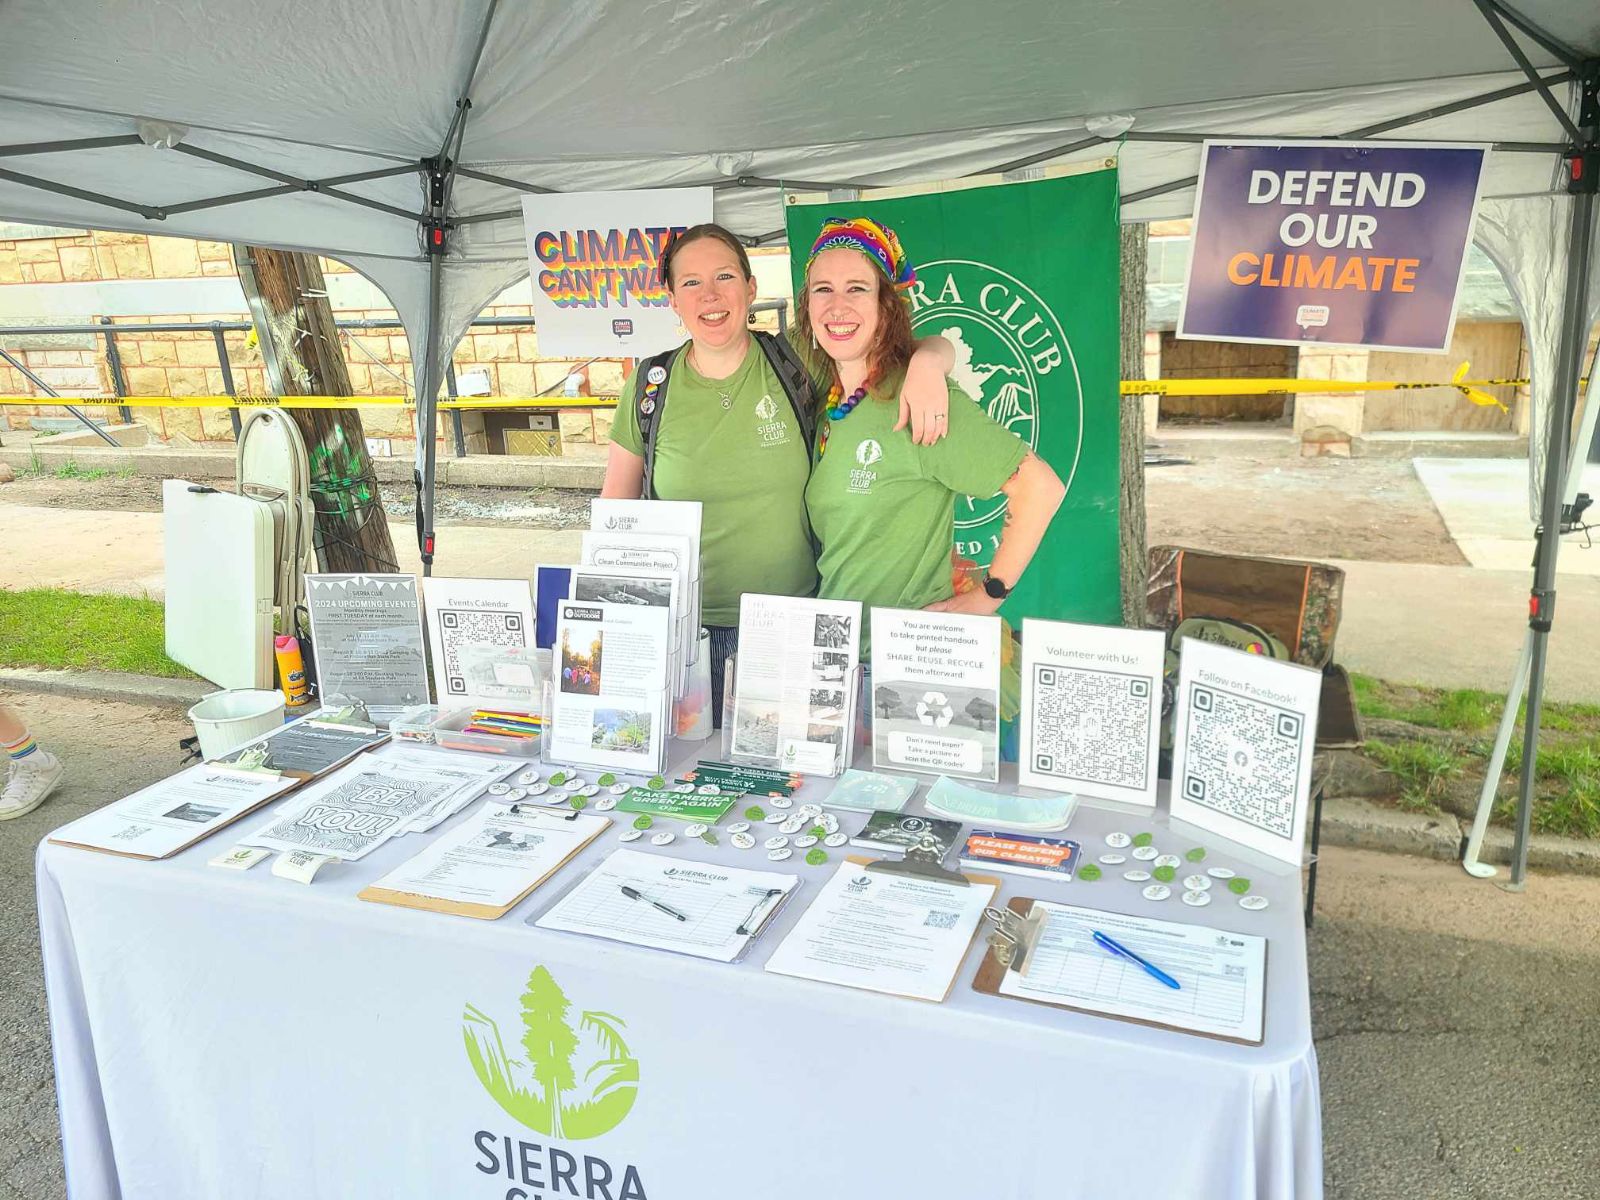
(994, 589)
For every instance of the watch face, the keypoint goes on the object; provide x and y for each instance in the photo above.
(996, 589)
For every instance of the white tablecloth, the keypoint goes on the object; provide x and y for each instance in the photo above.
(233, 1035)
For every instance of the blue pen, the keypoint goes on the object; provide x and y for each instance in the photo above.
(1119, 949)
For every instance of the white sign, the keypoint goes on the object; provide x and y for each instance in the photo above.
(1091, 709)
(1242, 745)
(936, 692)
(595, 266)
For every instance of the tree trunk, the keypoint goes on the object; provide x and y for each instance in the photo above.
(352, 532)
(1135, 250)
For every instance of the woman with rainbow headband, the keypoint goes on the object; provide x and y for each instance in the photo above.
(726, 435)
(882, 506)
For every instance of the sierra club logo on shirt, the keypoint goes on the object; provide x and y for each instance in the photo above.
(770, 431)
(868, 452)
(1006, 341)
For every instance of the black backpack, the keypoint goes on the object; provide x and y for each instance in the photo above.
(785, 363)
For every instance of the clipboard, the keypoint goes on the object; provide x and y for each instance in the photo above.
(480, 912)
(991, 972)
(295, 784)
(860, 860)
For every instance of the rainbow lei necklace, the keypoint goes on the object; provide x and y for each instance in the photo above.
(838, 410)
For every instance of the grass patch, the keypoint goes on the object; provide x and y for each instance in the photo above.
(1425, 769)
(1567, 780)
(71, 470)
(62, 630)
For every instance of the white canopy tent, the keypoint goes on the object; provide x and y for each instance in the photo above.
(397, 136)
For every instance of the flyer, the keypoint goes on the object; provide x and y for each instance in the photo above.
(367, 634)
(640, 587)
(670, 552)
(792, 687)
(481, 632)
(1242, 744)
(936, 692)
(173, 813)
(611, 698)
(1091, 710)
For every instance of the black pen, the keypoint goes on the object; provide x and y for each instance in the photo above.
(635, 894)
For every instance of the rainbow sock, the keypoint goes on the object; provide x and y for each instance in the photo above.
(20, 750)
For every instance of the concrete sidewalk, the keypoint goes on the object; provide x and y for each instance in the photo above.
(1444, 626)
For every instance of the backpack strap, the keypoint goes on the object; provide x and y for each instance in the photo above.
(796, 381)
(648, 411)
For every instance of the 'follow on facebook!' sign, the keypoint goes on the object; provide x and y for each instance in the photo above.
(1336, 243)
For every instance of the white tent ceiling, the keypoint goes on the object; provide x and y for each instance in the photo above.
(629, 93)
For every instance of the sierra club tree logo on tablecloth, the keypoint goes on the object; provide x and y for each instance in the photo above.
(570, 1081)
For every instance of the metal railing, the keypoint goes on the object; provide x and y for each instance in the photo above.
(104, 328)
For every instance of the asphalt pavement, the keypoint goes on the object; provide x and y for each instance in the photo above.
(1457, 1025)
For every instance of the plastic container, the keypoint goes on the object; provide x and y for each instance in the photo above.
(224, 721)
(445, 728)
(291, 671)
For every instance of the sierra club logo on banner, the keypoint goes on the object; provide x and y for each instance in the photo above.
(595, 268)
(1023, 279)
(1334, 243)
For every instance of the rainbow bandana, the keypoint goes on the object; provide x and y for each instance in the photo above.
(877, 241)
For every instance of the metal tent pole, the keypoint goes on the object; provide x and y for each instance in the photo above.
(1583, 164)
(427, 409)
(1541, 605)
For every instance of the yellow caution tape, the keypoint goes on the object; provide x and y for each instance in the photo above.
(1470, 389)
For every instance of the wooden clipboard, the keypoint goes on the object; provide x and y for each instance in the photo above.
(990, 973)
(463, 908)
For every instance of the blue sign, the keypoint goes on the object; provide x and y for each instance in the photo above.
(1335, 243)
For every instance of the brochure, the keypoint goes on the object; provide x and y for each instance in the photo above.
(611, 697)
(1091, 709)
(793, 703)
(366, 631)
(901, 832)
(653, 552)
(1021, 854)
(936, 692)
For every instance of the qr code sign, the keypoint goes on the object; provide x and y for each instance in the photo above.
(467, 627)
(938, 919)
(1091, 725)
(1242, 758)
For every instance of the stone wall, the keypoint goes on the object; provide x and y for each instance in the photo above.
(164, 363)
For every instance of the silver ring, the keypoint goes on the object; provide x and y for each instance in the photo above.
(938, 416)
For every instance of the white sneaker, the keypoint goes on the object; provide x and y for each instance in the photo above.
(28, 783)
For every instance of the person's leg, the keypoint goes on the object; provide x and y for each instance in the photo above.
(32, 772)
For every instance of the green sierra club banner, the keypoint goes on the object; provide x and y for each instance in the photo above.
(1023, 278)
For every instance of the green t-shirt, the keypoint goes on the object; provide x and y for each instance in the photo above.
(746, 464)
(884, 508)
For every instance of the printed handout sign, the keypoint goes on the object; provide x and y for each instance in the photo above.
(1335, 243)
(595, 262)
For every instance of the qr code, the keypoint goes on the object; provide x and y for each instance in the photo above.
(1242, 758)
(459, 628)
(1092, 725)
(939, 919)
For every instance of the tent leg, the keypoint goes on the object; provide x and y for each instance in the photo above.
(1495, 766)
(427, 410)
(1574, 338)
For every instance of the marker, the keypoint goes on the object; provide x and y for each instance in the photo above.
(635, 894)
(1122, 951)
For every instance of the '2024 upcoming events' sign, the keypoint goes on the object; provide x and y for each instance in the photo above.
(595, 266)
(1337, 243)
